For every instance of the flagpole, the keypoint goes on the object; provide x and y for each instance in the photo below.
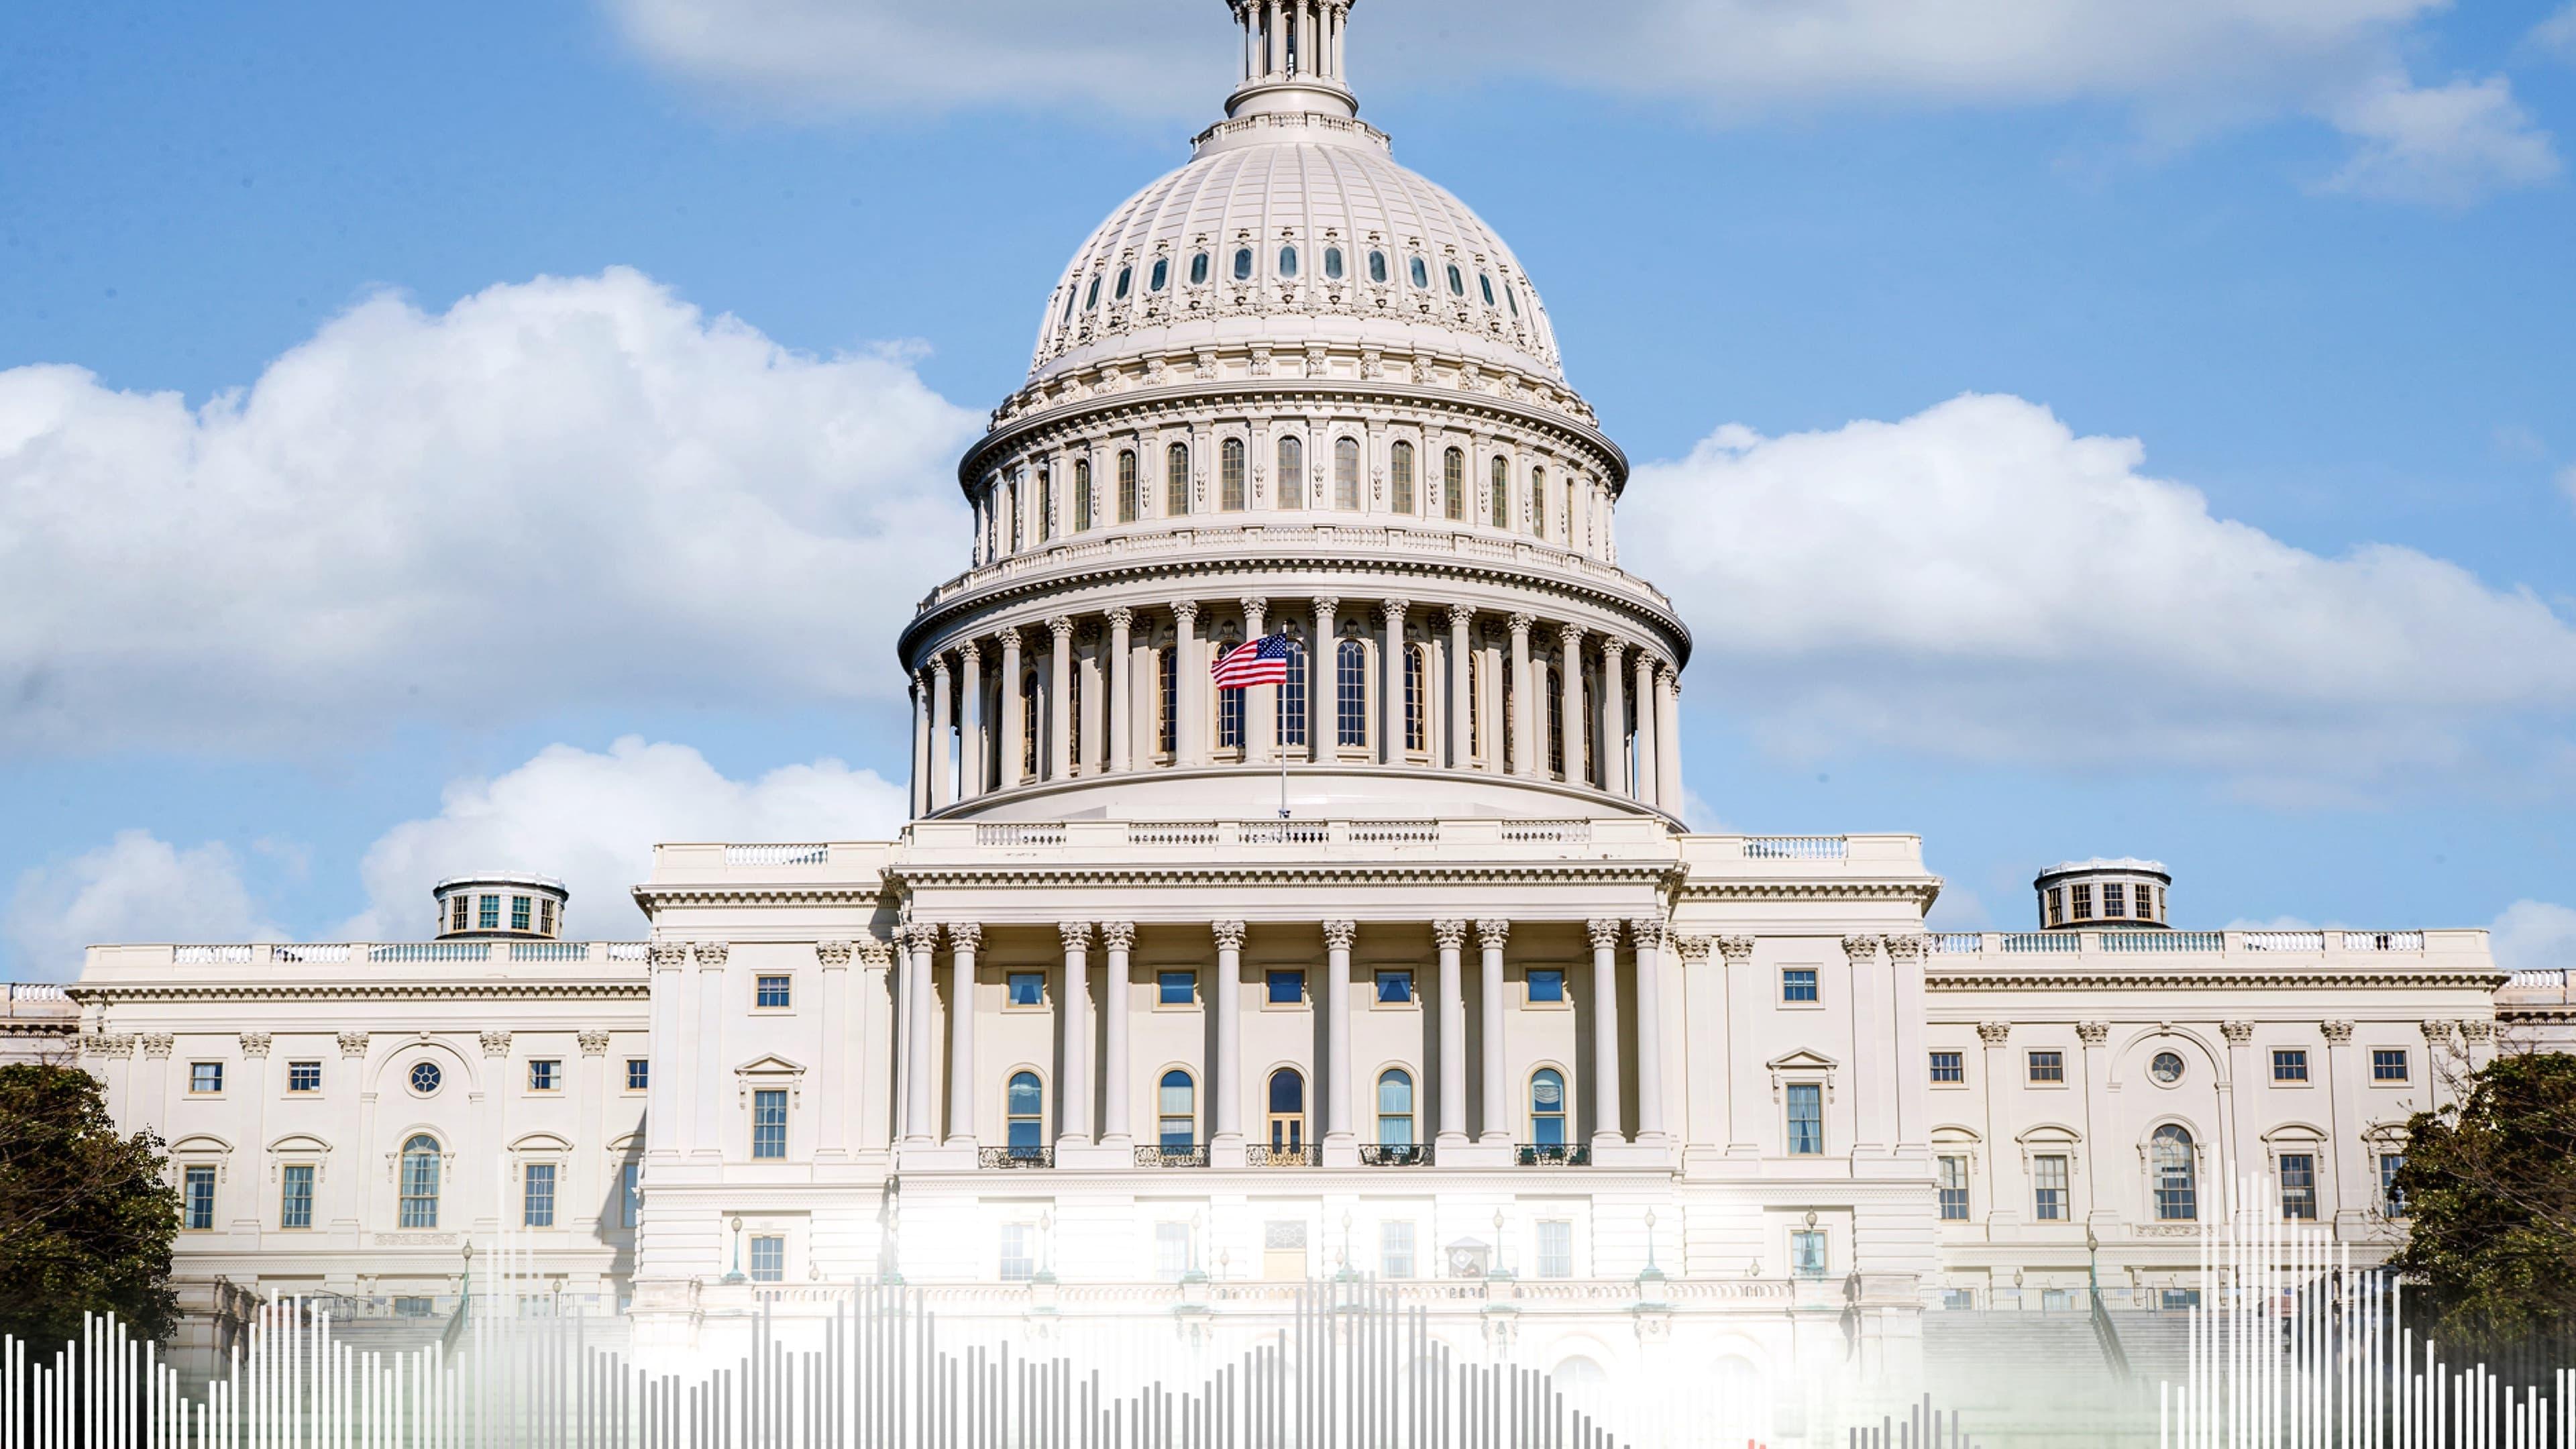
(1275, 747)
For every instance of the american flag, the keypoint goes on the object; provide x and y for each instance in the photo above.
(1263, 661)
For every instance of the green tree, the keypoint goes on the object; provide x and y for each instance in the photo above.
(86, 1216)
(2490, 1190)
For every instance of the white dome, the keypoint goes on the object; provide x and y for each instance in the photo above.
(1268, 192)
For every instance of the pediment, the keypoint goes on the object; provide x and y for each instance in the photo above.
(771, 1065)
(1803, 1060)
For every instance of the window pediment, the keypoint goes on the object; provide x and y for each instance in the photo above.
(1803, 1065)
(771, 1073)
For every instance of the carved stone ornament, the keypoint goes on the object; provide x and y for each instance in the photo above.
(832, 954)
(106, 1044)
(1229, 935)
(711, 954)
(496, 1043)
(157, 1043)
(1449, 935)
(2477, 1031)
(1692, 949)
(254, 1043)
(353, 1044)
(2434, 1031)
(1860, 950)
(2238, 1033)
(1118, 935)
(669, 956)
(967, 936)
(1076, 934)
(1994, 1033)
(594, 1043)
(1492, 932)
(2338, 1032)
(876, 955)
(1647, 931)
(1908, 948)
(1338, 935)
(1604, 933)
(2092, 1033)
(1736, 949)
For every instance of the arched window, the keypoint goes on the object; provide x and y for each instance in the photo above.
(1453, 484)
(1350, 693)
(1243, 264)
(1502, 493)
(1029, 726)
(1377, 267)
(1167, 688)
(1287, 262)
(1421, 275)
(1394, 1108)
(1475, 703)
(1162, 274)
(1073, 716)
(1332, 264)
(1482, 280)
(1287, 1109)
(420, 1182)
(1176, 480)
(1129, 503)
(1555, 722)
(2169, 1163)
(1292, 471)
(1176, 1110)
(1399, 477)
(1229, 707)
(1081, 494)
(1346, 473)
(1091, 299)
(1292, 702)
(1127, 275)
(1011, 506)
(1508, 295)
(1198, 269)
(1457, 282)
(1547, 1107)
(1416, 711)
(1229, 476)
(1046, 505)
(1538, 501)
(1024, 1115)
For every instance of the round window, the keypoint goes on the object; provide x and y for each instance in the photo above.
(2166, 1068)
(424, 1077)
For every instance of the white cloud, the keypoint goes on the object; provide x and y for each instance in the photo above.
(2534, 936)
(1978, 581)
(2558, 32)
(592, 820)
(2441, 145)
(566, 491)
(137, 887)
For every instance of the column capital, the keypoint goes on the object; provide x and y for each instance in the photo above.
(876, 955)
(1254, 607)
(353, 1044)
(918, 935)
(1007, 637)
(1186, 611)
(2092, 1033)
(1339, 934)
(1736, 949)
(1604, 931)
(1692, 949)
(2238, 1033)
(711, 954)
(1395, 609)
(1076, 934)
(1912, 947)
(966, 935)
(1521, 625)
(1860, 950)
(2338, 1033)
(255, 1043)
(1062, 628)
(1493, 931)
(1118, 935)
(1571, 636)
(1461, 615)
(668, 955)
(1667, 676)
(2434, 1031)
(594, 1043)
(1648, 931)
(1994, 1033)
(1120, 617)
(1612, 646)
(939, 669)
(969, 652)
(1326, 603)
(832, 954)
(1449, 935)
(496, 1043)
(1229, 934)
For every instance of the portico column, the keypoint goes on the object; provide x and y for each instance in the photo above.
(1648, 933)
(1496, 1103)
(970, 735)
(1260, 703)
(1337, 1033)
(1015, 724)
(963, 938)
(943, 785)
(1059, 720)
(1119, 937)
(1229, 1038)
(1450, 935)
(1578, 768)
(1524, 759)
(1073, 1112)
(1189, 688)
(921, 1110)
(1323, 683)
(920, 743)
(1462, 677)
(1668, 739)
(1115, 667)
(2356, 1177)
(1649, 777)
(1605, 1031)
(1872, 1044)
(2000, 1193)
(1742, 1093)
(2244, 1135)
(1614, 719)
(1390, 744)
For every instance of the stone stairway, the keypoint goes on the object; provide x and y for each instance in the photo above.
(2029, 1379)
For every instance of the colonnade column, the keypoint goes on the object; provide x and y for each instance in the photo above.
(1668, 739)
(920, 743)
(1120, 938)
(1073, 1111)
(943, 789)
(2356, 1177)
(1398, 718)
(1322, 683)
(1462, 678)
(1189, 688)
(1614, 720)
(963, 938)
(1015, 723)
(1648, 780)
(970, 735)
(1260, 704)
(1115, 682)
(1058, 761)
(1338, 1136)
(1736, 952)
(1578, 766)
(920, 1108)
(2244, 1139)
(1648, 933)
(1229, 1043)
(1605, 1030)
(1497, 1124)
(1524, 760)
(1870, 1000)
(1450, 936)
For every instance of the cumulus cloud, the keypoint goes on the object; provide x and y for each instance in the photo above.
(1981, 582)
(2442, 145)
(592, 819)
(137, 887)
(2558, 32)
(2534, 936)
(553, 493)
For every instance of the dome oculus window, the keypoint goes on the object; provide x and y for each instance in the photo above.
(1243, 264)
(1377, 267)
(2166, 1068)
(1457, 282)
(1482, 280)
(1332, 264)
(425, 1077)
(1128, 274)
(1198, 269)
(1287, 261)
(1157, 279)
(1421, 275)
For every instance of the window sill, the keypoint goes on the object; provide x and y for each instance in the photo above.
(1547, 1006)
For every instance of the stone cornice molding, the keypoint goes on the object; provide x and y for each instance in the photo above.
(1449, 935)
(1603, 931)
(655, 897)
(1036, 876)
(358, 990)
(1118, 935)
(2034, 980)
(1229, 934)
(1338, 935)
(1717, 889)
(1493, 931)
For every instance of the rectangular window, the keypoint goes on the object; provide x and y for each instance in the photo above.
(1346, 474)
(2056, 906)
(304, 1076)
(522, 914)
(2114, 900)
(205, 1077)
(1556, 1249)
(2175, 1300)
(1807, 1253)
(769, 1123)
(1026, 988)
(1395, 985)
(456, 908)
(2388, 1064)
(1502, 490)
(768, 1259)
(1806, 1119)
(1171, 1251)
(1958, 1300)
(2048, 1189)
(1127, 485)
(773, 993)
(295, 1196)
(1286, 988)
(2083, 902)
(1350, 693)
(414, 1306)
(545, 1076)
(2056, 1300)
(1018, 1264)
(630, 1194)
(1176, 480)
(2392, 1200)
(1546, 983)
(1176, 988)
(2289, 1064)
(197, 1199)
(1949, 1067)
(2299, 1187)
(537, 1195)
(1453, 484)
(487, 913)
(1798, 984)
(545, 916)
(1395, 1250)
(639, 1074)
(2048, 1066)
(1229, 707)
(1954, 1189)
(1167, 685)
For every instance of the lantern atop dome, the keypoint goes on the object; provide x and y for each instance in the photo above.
(1292, 58)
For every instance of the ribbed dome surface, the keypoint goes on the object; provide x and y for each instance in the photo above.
(1294, 230)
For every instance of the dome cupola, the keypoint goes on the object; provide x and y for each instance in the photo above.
(1292, 59)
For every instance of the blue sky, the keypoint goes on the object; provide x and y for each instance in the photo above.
(277, 659)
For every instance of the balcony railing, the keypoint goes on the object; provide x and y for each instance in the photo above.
(1264, 1155)
(1015, 1157)
(2112, 939)
(1395, 1154)
(1192, 1154)
(1553, 1154)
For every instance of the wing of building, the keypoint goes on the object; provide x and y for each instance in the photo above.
(1171, 997)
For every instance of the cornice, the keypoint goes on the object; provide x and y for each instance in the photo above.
(1937, 979)
(110, 995)
(729, 893)
(1719, 888)
(1355, 873)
